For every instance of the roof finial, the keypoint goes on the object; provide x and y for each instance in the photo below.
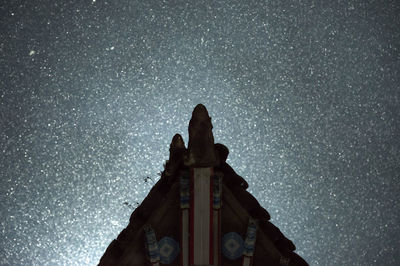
(201, 139)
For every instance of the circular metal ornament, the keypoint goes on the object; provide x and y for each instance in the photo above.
(169, 250)
(232, 245)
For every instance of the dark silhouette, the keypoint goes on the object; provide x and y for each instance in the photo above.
(239, 212)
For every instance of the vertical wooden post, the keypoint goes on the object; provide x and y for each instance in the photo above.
(184, 204)
(217, 196)
(201, 217)
(152, 246)
(250, 242)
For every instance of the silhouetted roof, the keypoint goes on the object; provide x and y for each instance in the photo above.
(161, 209)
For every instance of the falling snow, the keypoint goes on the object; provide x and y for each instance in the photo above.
(305, 94)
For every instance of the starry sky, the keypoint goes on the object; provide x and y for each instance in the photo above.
(305, 94)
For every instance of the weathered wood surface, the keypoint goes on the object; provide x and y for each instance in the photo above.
(129, 248)
(161, 207)
(235, 219)
(201, 214)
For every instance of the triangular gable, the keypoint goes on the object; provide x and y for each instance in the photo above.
(156, 226)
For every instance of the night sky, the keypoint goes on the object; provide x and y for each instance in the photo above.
(305, 94)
